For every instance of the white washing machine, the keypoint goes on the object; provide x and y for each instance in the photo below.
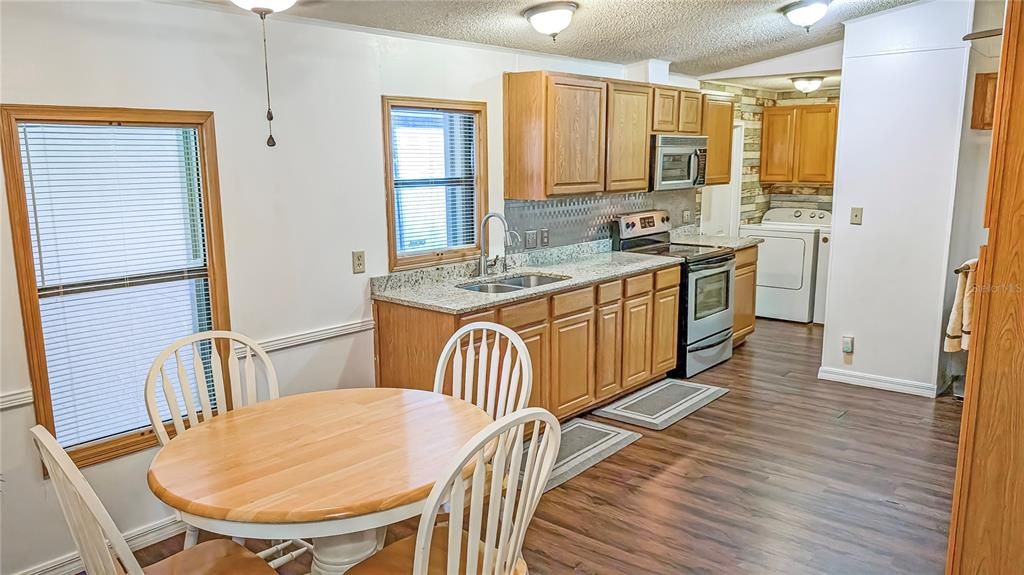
(792, 263)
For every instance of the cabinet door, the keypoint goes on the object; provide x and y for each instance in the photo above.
(536, 340)
(637, 316)
(983, 108)
(717, 121)
(778, 138)
(666, 110)
(572, 363)
(665, 330)
(575, 156)
(689, 112)
(816, 143)
(629, 149)
(744, 298)
(608, 356)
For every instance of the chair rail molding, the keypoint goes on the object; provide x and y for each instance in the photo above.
(137, 538)
(16, 398)
(23, 397)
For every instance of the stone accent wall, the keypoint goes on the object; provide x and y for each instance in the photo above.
(755, 198)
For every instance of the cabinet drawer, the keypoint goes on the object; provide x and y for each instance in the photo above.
(562, 304)
(515, 316)
(489, 315)
(609, 292)
(746, 257)
(639, 284)
(667, 278)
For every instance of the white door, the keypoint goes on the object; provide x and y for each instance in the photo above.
(720, 205)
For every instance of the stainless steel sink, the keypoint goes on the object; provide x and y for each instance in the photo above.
(514, 283)
(491, 288)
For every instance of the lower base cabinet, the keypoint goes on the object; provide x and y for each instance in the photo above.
(586, 346)
(745, 295)
(572, 358)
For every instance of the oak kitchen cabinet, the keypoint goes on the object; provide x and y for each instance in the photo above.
(717, 120)
(567, 134)
(587, 345)
(629, 149)
(983, 108)
(676, 110)
(798, 144)
(744, 295)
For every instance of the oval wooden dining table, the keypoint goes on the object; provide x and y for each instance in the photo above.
(334, 466)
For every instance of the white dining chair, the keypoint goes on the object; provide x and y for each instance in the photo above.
(490, 367)
(100, 543)
(197, 362)
(500, 504)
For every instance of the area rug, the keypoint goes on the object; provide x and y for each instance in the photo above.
(584, 444)
(662, 404)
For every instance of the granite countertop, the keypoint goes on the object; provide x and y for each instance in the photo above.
(689, 236)
(445, 296)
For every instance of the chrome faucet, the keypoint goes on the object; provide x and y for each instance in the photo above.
(484, 264)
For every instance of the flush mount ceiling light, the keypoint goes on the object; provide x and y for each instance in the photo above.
(262, 8)
(806, 13)
(808, 84)
(551, 18)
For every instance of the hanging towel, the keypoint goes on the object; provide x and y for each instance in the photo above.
(958, 331)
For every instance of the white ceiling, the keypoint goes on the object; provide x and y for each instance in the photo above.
(781, 83)
(697, 36)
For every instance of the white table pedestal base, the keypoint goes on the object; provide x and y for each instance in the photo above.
(337, 554)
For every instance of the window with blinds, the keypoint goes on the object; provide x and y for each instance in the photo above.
(435, 181)
(116, 219)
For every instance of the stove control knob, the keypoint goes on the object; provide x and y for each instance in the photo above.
(664, 219)
(814, 215)
(797, 213)
(630, 225)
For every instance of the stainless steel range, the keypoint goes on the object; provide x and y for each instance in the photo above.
(706, 310)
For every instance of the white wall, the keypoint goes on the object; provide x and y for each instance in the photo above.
(292, 214)
(817, 59)
(902, 98)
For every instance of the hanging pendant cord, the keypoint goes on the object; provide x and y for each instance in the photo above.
(266, 74)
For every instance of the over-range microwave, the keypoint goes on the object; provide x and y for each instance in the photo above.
(678, 162)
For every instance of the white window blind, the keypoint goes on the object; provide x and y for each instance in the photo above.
(434, 170)
(118, 240)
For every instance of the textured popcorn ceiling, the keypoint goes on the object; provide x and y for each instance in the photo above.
(697, 36)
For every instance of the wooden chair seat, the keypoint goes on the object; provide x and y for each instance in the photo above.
(216, 557)
(397, 558)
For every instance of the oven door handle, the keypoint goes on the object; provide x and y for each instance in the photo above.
(714, 266)
(707, 346)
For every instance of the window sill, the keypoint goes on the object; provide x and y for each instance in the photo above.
(406, 263)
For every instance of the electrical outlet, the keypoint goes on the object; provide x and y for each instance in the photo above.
(531, 239)
(847, 344)
(544, 238)
(687, 217)
(359, 262)
(856, 216)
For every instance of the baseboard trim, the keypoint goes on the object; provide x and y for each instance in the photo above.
(16, 398)
(144, 536)
(878, 382)
(315, 335)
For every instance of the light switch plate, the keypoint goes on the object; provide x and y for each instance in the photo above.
(687, 217)
(359, 262)
(847, 344)
(856, 216)
(543, 238)
(531, 239)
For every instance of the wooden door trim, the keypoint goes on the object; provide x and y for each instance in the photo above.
(995, 367)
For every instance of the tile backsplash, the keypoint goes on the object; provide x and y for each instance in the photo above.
(588, 218)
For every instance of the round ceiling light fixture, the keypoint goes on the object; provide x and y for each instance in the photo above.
(551, 18)
(807, 84)
(264, 6)
(806, 13)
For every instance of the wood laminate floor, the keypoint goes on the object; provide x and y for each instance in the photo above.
(785, 474)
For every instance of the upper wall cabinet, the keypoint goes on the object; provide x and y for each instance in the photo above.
(568, 134)
(798, 144)
(717, 123)
(676, 111)
(629, 150)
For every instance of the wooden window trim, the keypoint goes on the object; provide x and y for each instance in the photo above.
(400, 263)
(10, 114)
